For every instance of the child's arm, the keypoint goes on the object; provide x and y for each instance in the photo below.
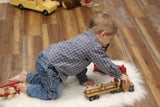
(101, 59)
(83, 79)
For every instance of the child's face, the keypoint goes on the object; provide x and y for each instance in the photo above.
(105, 39)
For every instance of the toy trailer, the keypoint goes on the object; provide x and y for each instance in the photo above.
(93, 93)
(8, 90)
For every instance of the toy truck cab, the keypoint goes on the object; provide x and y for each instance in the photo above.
(44, 6)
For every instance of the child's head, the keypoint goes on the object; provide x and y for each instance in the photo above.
(102, 22)
(104, 28)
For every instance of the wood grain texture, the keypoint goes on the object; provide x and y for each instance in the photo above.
(25, 33)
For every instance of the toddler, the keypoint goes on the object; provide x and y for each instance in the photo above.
(70, 58)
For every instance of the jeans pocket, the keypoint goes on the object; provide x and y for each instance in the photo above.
(53, 79)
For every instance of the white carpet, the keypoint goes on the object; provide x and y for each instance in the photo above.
(73, 95)
(4, 1)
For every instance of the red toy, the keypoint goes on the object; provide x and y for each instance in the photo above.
(8, 90)
(123, 69)
(87, 1)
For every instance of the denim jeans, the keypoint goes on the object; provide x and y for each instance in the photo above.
(46, 83)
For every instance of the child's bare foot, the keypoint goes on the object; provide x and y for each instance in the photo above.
(21, 77)
(22, 87)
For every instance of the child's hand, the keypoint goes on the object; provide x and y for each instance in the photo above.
(88, 82)
(126, 79)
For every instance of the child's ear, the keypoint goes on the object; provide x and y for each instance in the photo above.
(103, 33)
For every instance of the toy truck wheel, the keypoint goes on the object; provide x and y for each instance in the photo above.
(20, 6)
(131, 90)
(91, 98)
(96, 97)
(45, 12)
(121, 90)
(115, 91)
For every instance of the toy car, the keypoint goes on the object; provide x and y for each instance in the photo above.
(44, 6)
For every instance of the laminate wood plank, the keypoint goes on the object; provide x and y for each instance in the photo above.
(143, 58)
(115, 50)
(150, 35)
(80, 19)
(149, 99)
(30, 54)
(69, 23)
(154, 15)
(8, 31)
(107, 7)
(32, 23)
(51, 29)
(3, 11)
(119, 14)
(26, 23)
(34, 45)
(16, 65)
(117, 3)
(142, 6)
(45, 36)
(25, 53)
(2, 28)
(50, 19)
(133, 9)
(5, 67)
(87, 14)
(9, 66)
(124, 48)
(55, 34)
(37, 40)
(104, 7)
(123, 14)
(145, 2)
(17, 33)
(151, 2)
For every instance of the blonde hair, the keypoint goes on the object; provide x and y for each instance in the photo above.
(102, 22)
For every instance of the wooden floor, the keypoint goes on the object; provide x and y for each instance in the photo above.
(23, 34)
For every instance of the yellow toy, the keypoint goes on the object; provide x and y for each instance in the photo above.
(44, 6)
(92, 93)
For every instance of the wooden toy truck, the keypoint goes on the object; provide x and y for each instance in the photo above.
(8, 90)
(44, 6)
(93, 93)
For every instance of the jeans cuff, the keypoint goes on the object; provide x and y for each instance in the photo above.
(27, 91)
(28, 77)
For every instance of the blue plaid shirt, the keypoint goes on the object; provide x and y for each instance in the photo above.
(72, 56)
